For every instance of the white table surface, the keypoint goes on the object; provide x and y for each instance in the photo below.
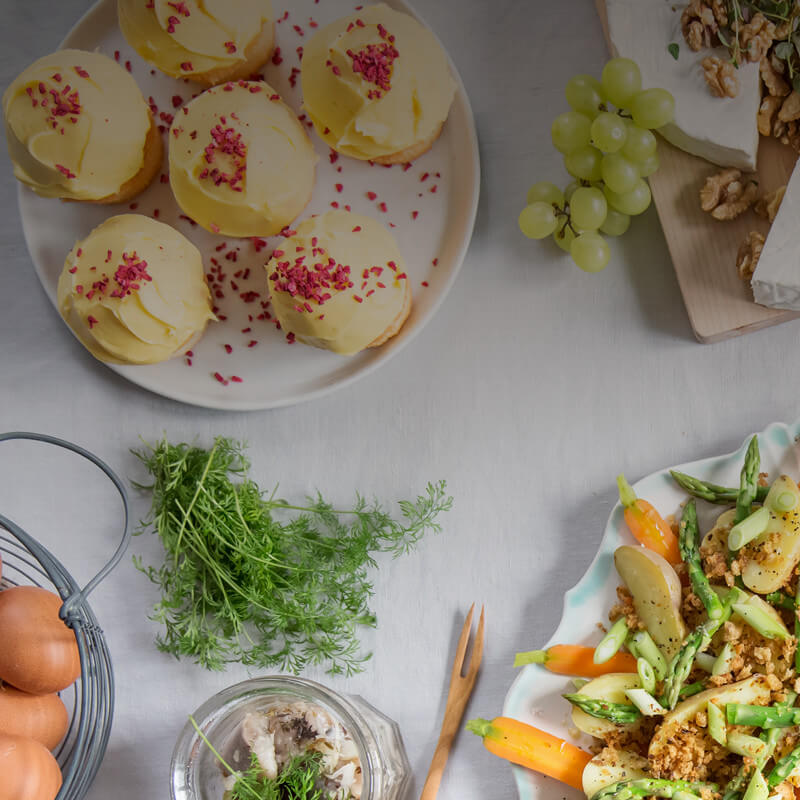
(533, 386)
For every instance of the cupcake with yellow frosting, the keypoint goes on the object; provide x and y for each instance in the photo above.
(134, 291)
(339, 283)
(377, 85)
(240, 163)
(78, 128)
(206, 42)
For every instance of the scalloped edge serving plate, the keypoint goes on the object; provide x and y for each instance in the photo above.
(535, 695)
(433, 205)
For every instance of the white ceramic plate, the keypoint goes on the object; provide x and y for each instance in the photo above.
(535, 695)
(272, 371)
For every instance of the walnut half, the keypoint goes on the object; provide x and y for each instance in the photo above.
(768, 204)
(726, 194)
(748, 254)
(720, 76)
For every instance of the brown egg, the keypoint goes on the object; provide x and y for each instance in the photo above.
(42, 717)
(39, 652)
(28, 768)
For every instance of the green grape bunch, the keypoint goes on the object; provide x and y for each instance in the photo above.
(609, 149)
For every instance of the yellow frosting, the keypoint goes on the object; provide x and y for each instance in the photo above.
(361, 117)
(134, 291)
(240, 162)
(355, 297)
(190, 37)
(90, 142)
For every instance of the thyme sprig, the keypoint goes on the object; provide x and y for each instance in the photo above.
(255, 579)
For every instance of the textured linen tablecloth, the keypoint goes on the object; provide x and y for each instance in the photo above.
(532, 387)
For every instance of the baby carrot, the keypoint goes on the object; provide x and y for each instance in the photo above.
(574, 659)
(647, 525)
(530, 747)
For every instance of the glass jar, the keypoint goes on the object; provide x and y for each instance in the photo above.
(197, 774)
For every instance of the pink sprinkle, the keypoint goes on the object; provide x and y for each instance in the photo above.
(382, 207)
(338, 187)
(236, 379)
(252, 343)
(73, 270)
(371, 195)
(425, 176)
(116, 55)
(414, 214)
(186, 66)
(228, 348)
(433, 189)
(133, 206)
(64, 171)
(356, 229)
(276, 56)
(435, 261)
(230, 47)
(177, 100)
(290, 338)
(214, 227)
(220, 379)
(189, 353)
(128, 66)
(92, 321)
(82, 72)
(424, 283)
(79, 252)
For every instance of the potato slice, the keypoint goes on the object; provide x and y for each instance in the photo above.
(609, 687)
(610, 767)
(773, 555)
(717, 538)
(751, 690)
(656, 592)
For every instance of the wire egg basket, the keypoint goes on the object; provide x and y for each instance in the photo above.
(90, 700)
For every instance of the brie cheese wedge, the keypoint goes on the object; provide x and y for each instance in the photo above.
(776, 280)
(721, 130)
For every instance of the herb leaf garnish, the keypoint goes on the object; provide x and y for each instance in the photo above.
(252, 578)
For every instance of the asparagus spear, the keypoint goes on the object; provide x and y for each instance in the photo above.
(681, 664)
(784, 767)
(771, 737)
(748, 481)
(781, 600)
(712, 492)
(762, 716)
(688, 534)
(650, 787)
(618, 713)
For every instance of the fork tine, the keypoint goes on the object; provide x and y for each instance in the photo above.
(477, 646)
(461, 647)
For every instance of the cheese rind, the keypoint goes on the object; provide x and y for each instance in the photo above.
(723, 131)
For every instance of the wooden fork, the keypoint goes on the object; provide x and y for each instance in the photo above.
(457, 697)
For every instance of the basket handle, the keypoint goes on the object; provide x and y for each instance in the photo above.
(77, 596)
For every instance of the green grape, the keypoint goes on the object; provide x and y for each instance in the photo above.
(640, 143)
(621, 79)
(608, 132)
(588, 208)
(570, 131)
(585, 162)
(584, 94)
(572, 186)
(546, 192)
(564, 234)
(633, 202)
(648, 166)
(590, 251)
(619, 174)
(616, 223)
(652, 108)
(537, 220)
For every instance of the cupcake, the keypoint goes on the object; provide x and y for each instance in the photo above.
(206, 42)
(134, 291)
(377, 85)
(240, 163)
(78, 128)
(339, 283)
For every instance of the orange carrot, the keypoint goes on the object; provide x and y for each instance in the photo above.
(647, 525)
(574, 659)
(530, 747)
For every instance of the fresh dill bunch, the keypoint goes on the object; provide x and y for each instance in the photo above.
(252, 578)
(298, 778)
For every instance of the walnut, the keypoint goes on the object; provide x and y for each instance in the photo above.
(773, 80)
(748, 254)
(700, 21)
(768, 204)
(791, 135)
(727, 194)
(755, 37)
(720, 76)
(790, 110)
(767, 114)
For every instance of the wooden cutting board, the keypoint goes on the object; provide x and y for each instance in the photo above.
(703, 250)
